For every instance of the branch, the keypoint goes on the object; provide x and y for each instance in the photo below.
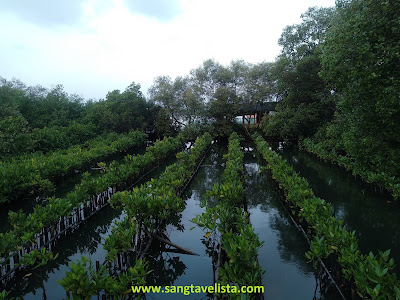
(168, 242)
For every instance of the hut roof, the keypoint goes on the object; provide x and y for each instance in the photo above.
(250, 109)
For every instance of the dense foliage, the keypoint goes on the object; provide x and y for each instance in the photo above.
(359, 59)
(338, 85)
(37, 119)
(371, 275)
(305, 101)
(38, 106)
(214, 94)
(121, 112)
(31, 172)
(27, 227)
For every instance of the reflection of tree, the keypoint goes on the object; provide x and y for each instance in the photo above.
(292, 248)
(166, 268)
(292, 245)
(361, 210)
(175, 220)
(209, 174)
(83, 240)
(259, 191)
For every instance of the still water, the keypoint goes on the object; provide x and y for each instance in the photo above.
(85, 241)
(61, 188)
(196, 270)
(287, 273)
(371, 214)
(287, 276)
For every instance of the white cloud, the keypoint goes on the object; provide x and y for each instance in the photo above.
(159, 9)
(111, 47)
(45, 12)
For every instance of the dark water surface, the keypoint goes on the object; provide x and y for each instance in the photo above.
(190, 269)
(376, 222)
(85, 241)
(287, 273)
(62, 188)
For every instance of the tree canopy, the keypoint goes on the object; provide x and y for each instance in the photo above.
(305, 101)
(360, 59)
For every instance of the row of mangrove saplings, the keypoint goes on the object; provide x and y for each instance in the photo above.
(21, 245)
(371, 276)
(148, 210)
(226, 221)
(32, 172)
(382, 179)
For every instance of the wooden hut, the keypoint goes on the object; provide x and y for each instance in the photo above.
(251, 115)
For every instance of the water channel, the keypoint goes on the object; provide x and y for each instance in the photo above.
(287, 273)
(62, 188)
(287, 276)
(371, 214)
(85, 241)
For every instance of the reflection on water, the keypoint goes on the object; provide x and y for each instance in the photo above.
(376, 222)
(166, 268)
(62, 188)
(196, 270)
(85, 241)
(288, 276)
(169, 268)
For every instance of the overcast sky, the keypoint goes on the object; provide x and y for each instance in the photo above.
(95, 46)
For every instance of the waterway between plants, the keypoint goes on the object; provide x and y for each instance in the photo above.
(287, 273)
(85, 241)
(371, 214)
(27, 203)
